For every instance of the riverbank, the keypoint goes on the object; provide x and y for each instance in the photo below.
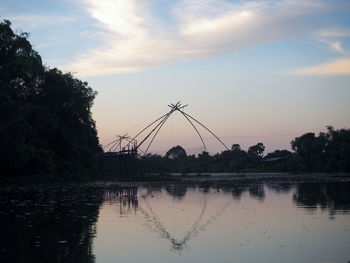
(177, 177)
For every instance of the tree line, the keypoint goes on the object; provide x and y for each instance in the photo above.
(46, 123)
(326, 152)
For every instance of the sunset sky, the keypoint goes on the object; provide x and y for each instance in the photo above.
(252, 71)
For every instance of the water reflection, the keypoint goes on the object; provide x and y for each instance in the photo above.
(155, 225)
(282, 188)
(126, 196)
(53, 225)
(333, 197)
(177, 191)
(257, 191)
(61, 224)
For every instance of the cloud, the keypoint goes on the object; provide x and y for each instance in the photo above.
(137, 39)
(331, 37)
(334, 32)
(336, 67)
(334, 45)
(337, 46)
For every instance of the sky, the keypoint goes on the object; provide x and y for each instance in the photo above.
(251, 71)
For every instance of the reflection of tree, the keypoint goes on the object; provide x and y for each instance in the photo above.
(257, 191)
(281, 187)
(237, 192)
(155, 225)
(56, 224)
(176, 190)
(333, 196)
(53, 225)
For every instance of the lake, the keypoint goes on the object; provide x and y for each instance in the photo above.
(176, 222)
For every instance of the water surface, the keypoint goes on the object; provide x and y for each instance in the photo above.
(273, 222)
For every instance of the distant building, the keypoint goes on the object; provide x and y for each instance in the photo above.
(273, 159)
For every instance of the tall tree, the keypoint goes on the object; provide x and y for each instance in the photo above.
(46, 123)
(310, 150)
(256, 150)
(176, 152)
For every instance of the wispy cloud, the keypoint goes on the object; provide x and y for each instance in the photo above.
(334, 33)
(135, 39)
(331, 37)
(334, 45)
(336, 67)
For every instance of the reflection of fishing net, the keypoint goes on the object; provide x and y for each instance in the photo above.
(153, 222)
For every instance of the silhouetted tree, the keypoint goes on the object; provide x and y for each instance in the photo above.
(46, 123)
(176, 152)
(235, 147)
(328, 151)
(256, 150)
(310, 150)
(337, 150)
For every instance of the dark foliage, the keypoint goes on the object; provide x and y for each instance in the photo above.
(327, 152)
(49, 225)
(177, 152)
(46, 123)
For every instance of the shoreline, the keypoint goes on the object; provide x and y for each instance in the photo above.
(222, 178)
